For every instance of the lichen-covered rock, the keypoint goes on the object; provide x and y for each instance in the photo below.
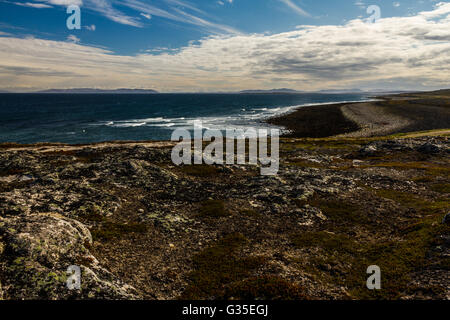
(37, 250)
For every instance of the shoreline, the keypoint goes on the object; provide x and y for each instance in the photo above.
(385, 115)
(376, 116)
(264, 120)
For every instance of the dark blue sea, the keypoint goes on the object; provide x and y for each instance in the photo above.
(84, 118)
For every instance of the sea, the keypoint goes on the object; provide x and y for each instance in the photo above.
(86, 118)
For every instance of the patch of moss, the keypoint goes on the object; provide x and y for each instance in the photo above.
(397, 260)
(412, 201)
(323, 144)
(92, 213)
(113, 230)
(8, 187)
(249, 213)
(264, 288)
(10, 171)
(337, 210)
(344, 260)
(213, 208)
(78, 155)
(219, 265)
(441, 187)
(430, 168)
(423, 179)
(200, 170)
(305, 164)
(445, 264)
(330, 242)
(85, 260)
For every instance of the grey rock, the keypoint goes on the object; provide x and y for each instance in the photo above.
(368, 151)
(446, 219)
(38, 250)
(429, 148)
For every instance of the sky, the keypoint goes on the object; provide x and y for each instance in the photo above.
(225, 45)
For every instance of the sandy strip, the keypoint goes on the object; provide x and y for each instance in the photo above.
(372, 119)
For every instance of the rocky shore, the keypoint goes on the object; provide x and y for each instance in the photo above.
(140, 227)
(386, 115)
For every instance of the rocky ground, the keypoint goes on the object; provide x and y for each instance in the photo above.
(141, 228)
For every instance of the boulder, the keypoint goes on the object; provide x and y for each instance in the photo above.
(39, 248)
(368, 151)
(428, 148)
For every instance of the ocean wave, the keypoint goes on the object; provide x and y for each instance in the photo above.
(245, 119)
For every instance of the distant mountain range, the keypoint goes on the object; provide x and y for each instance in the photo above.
(328, 91)
(256, 91)
(271, 91)
(96, 91)
(333, 91)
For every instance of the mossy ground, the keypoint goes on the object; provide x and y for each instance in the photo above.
(115, 230)
(399, 246)
(213, 209)
(343, 259)
(220, 272)
(269, 287)
(441, 187)
(200, 170)
(249, 213)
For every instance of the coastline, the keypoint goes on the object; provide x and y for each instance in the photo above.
(386, 115)
(142, 117)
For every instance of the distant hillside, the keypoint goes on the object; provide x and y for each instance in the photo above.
(89, 90)
(271, 91)
(332, 91)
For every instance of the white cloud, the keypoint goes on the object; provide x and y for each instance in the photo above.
(178, 15)
(360, 4)
(105, 8)
(92, 27)
(33, 5)
(396, 4)
(401, 52)
(63, 2)
(108, 9)
(146, 15)
(222, 3)
(73, 38)
(295, 8)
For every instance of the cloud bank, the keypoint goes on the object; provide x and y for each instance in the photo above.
(403, 53)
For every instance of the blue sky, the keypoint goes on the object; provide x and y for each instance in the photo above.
(48, 20)
(215, 45)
